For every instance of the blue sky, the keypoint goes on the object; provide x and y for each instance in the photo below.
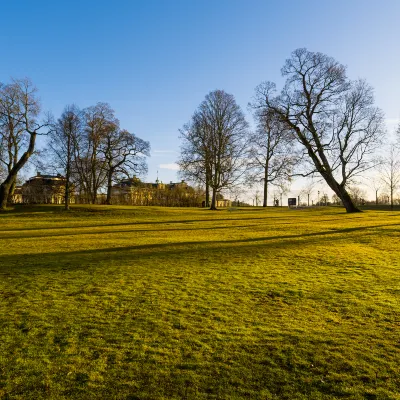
(154, 61)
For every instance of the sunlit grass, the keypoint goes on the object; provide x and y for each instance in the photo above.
(157, 303)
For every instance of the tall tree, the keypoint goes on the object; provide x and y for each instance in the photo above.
(124, 154)
(195, 157)
(215, 147)
(63, 140)
(228, 130)
(271, 156)
(333, 119)
(19, 127)
(89, 160)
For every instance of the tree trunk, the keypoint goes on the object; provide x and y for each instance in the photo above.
(208, 179)
(11, 191)
(12, 176)
(66, 195)
(109, 187)
(341, 192)
(214, 200)
(4, 191)
(348, 204)
(376, 197)
(391, 198)
(67, 187)
(265, 187)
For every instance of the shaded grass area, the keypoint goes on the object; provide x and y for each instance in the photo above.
(158, 303)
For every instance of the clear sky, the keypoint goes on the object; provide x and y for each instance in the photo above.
(154, 61)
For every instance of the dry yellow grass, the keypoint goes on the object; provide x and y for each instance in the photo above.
(157, 303)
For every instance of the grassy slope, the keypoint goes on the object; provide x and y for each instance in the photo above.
(152, 303)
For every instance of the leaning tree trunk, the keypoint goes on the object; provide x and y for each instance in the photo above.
(341, 192)
(11, 191)
(348, 203)
(4, 192)
(5, 187)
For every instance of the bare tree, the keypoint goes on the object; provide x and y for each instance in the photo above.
(89, 161)
(63, 140)
(332, 118)
(280, 190)
(228, 131)
(124, 155)
(19, 127)
(214, 143)
(390, 172)
(271, 156)
(196, 153)
(307, 190)
(375, 183)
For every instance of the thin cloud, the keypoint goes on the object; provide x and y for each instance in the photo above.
(392, 121)
(171, 166)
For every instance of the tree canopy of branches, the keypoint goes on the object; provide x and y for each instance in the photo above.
(124, 154)
(333, 119)
(63, 140)
(195, 158)
(214, 143)
(19, 127)
(93, 152)
(89, 160)
(271, 156)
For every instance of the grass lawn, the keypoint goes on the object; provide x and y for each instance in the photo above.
(157, 303)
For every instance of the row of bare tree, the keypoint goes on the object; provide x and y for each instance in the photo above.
(93, 151)
(87, 146)
(320, 124)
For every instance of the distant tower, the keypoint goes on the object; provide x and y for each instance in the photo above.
(157, 181)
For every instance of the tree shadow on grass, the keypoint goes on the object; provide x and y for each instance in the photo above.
(76, 231)
(115, 231)
(80, 258)
(135, 223)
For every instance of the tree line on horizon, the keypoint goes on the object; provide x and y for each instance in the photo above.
(321, 124)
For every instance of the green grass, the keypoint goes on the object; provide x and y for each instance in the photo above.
(157, 303)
